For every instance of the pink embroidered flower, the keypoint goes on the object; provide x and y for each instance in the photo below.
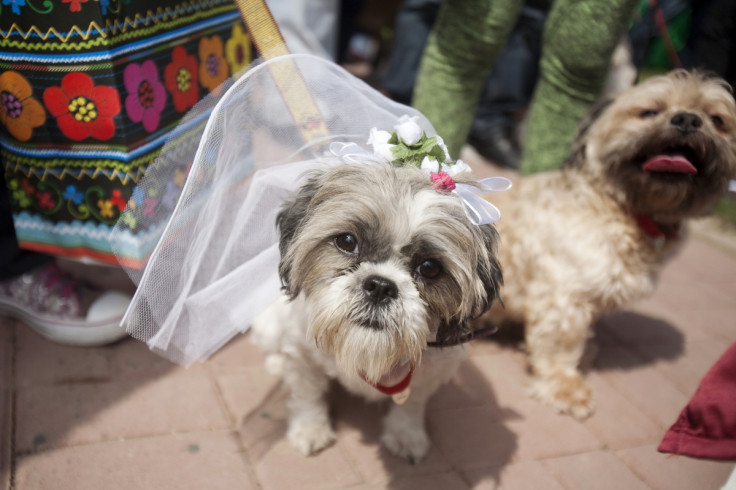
(442, 181)
(146, 94)
(149, 208)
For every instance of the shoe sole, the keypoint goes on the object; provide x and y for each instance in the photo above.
(66, 332)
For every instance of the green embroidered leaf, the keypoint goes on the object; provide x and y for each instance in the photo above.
(22, 198)
(130, 220)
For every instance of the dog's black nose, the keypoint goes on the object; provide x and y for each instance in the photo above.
(379, 289)
(686, 122)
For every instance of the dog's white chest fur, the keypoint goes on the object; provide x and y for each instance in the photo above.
(281, 330)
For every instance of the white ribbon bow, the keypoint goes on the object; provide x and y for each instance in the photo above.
(353, 153)
(478, 210)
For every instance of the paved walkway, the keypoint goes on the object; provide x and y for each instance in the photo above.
(119, 417)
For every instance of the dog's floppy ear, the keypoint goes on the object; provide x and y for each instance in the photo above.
(489, 269)
(577, 149)
(488, 272)
(290, 220)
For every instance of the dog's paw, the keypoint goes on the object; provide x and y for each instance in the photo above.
(410, 444)
(566, 393)
(310, 437)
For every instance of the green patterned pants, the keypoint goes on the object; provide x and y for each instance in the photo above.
(579, 39)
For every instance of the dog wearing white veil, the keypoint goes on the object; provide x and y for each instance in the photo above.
(373, 248)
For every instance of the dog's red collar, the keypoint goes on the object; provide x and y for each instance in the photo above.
(652, 229)
(393, 389)
(398, 387)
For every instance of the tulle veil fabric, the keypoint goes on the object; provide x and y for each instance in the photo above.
(205, 259)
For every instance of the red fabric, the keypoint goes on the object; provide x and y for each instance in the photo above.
(706, 427)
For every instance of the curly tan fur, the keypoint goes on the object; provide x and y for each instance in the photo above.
(571, 248)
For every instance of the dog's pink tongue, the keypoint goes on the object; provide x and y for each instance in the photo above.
(396, 380)
(670, 163)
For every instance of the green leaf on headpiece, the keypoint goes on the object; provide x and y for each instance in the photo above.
(437, 152)
(414, 154)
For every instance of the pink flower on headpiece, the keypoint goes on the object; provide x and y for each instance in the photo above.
(442, 181)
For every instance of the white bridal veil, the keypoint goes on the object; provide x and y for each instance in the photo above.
(198, 236)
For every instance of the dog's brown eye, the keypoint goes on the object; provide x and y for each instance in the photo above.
(648, 113)
(717, 121)
(347, 243)
(429, 269)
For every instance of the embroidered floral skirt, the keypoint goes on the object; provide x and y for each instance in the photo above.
(90, 92)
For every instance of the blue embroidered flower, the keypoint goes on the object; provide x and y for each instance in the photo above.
(16, 5)
(170, 196)
(73, 195)
(138, 196)
(103, 6)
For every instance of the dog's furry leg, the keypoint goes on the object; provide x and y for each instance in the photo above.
(404, 432)
(403, 429)
(309, 421)
(556, 344)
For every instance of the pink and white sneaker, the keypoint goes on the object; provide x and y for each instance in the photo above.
(62, 309)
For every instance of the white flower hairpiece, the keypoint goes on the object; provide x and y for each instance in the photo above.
(408, 144)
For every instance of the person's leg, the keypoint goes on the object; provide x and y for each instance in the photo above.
(507, 92)
(465, 42)
(579, 39)
(492, 130)
(413, 24)
(511, 83)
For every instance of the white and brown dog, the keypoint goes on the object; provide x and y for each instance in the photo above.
(376, 265)
(592, 237)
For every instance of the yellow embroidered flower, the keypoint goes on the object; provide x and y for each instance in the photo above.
(238, 50)
(105, 208)
(179, 177)
(19, 112)
(213, 68)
